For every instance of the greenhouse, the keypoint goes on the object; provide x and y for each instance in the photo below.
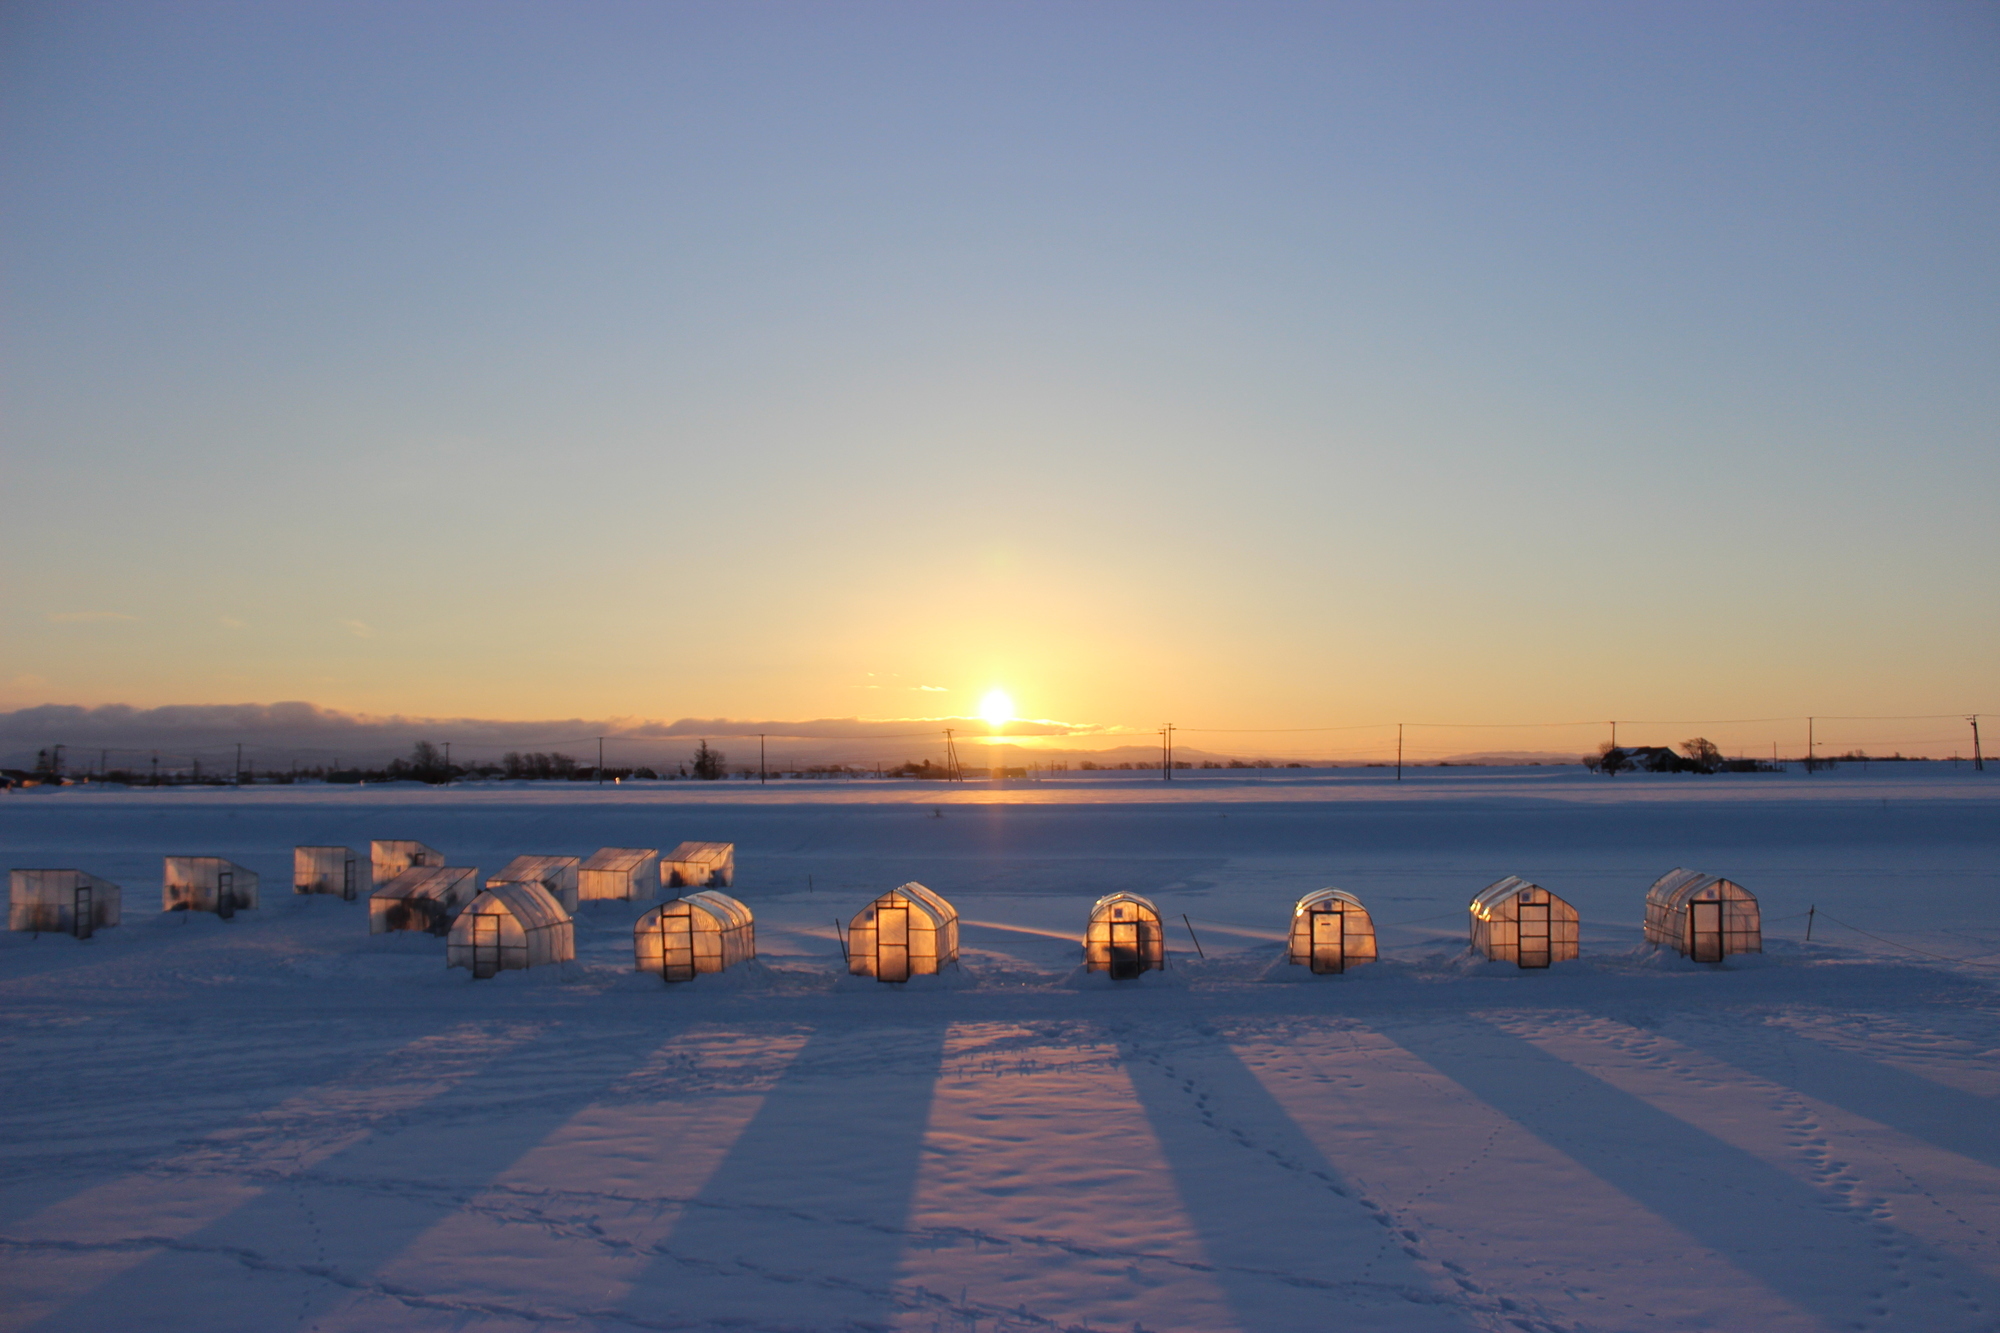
(557, 874)
(510, 926)
(422, 898)
(1514, 921)
(1331, 932)
(326, 870)
(703, 931)
(907, 932)
(631, 873)
(1125, 937)
(61, 902)
(389, 859)
(1705, 917)
(699, 865)
(207, 884)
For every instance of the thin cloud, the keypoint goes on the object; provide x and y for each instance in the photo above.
(932, 689)
(87, 617)
(231, 622)
(358, 629)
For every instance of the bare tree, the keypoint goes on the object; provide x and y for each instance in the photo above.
(708, 763)
(1704, 754)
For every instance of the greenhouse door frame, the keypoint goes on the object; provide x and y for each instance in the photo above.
(82, 912)
(892, 955)
(225, 894)
(485, 946)
(347, 882)
(1329, 940)
(1127, 957)
(677, 958)
(1531, 947)
(1705, 941)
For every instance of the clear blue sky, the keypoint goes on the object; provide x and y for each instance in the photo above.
(1250, 365)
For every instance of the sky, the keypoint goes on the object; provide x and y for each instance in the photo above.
(1245, 366)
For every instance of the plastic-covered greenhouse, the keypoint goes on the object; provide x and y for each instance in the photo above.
(64, 902)
(326, 870)
(557, 874)
(699, 865)
(422, 898)
(907, 932)
(1331, 932)
(1705, 917)
(389, 858)
(1514, 921)
(631, 873)
(510, 926)
(704, 931)
(1125, 937)
(207, 884)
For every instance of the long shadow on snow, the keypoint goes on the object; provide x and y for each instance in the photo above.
(1781, 1231)
(1294, 1245)
(1942, 1116)
(409, 1174)
(814, 1193)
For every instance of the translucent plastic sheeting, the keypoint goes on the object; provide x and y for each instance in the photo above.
(206, 884)
(510, 926)
(1331, 932)
(1125, 937)
(557, 874)
(61, 902)
(327, 870)
(907, 932)
(390, 858)
(1514, 921)
(1703, 916)
(699, 865)
(630, 873)
(704, 931)
(422, 898)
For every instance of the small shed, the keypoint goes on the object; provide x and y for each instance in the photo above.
(1514, 921)
(557, 874)
(207, 884)
(703, 931)
(326, 870)
(699, 865)
(907, 932)
(1331, 932)
(61, 902)
(391, 858)
(422, 898)
(631, 873)
(511, 925)
(1125, 937)
(1705, 917)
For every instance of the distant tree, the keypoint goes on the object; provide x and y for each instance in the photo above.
(1611, 761)
(427, 763)
(1703, 754)
(708, 763)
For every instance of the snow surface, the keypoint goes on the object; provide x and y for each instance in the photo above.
(280, 1122)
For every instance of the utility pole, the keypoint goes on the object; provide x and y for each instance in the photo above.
(1170, 752)
(600, 761)
(239, 763)
(1166, 764)
(156, 768)
(447, 763)
(951, 769)
(1810, 745)
(762, 775)
(1978, 759)
(104, 756)
(1399, 752)
(1614, 734)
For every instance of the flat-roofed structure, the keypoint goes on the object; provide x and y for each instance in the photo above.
(631, 873)
(557, 874)
(1331, 932)
(1703, 916)
(509, 926)
(907, 932)
(334, 870)
(390, 857)
(426, 898)
(1124, 937)
(61, 902)
(703, 931)
(207, 884)
(1514, 921)
(699, 865)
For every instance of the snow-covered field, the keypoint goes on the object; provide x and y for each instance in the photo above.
(279, 1122)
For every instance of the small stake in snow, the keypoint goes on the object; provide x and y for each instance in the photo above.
(1191, 935)
(839, 935)
(1809, 920)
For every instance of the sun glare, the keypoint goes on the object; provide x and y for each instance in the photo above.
(996, 708)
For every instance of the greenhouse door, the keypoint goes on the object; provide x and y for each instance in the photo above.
(347, 882)
(485, 946)
(83, 914)
(1533, 926)
(225, 894)
(677, 947)
(1128, 958)
(1328, 942)
(892, 944)
(1705, 932)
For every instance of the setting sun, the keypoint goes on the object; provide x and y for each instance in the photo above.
(996, 707)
